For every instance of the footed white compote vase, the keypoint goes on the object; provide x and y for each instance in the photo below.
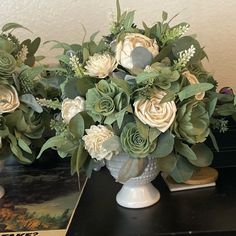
(2, 191)
(137, 192)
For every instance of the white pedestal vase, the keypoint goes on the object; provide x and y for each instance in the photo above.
(2, 191)
(137, 192)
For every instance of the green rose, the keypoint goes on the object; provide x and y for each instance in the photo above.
(105, 101)
(7, 64)
(104, 88)
(192, 122)
(134, 144)
(104, 106)
(28, 123)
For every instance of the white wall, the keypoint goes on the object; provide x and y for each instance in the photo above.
(214, 21)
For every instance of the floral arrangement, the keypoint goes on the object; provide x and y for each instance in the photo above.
(21, 124)
(142, 91)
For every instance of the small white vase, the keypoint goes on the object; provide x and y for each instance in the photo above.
(137, 192)
(2, 191)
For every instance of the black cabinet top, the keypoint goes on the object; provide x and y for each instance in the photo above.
(206, 211)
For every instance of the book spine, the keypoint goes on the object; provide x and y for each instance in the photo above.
(36, 233)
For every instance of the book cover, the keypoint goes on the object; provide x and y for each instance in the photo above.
(38, 202)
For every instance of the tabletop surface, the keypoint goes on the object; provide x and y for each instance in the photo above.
(206, 211)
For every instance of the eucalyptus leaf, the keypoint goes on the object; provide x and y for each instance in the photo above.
(142, 128)
(193, 89)
(165, 145)
(24, 146)
(84, 84)
(170, 96)
(120, 116)
(70, 88)
(204, 155)
(78, 159)
(184, 150)
(131, 169)
(184, 43)
(165, 52)
(31, 102)
(167, 163)
(211, 104)
(112, 144)
(124, 85)
(227, 109)
(76, 126)
(55, 141)
(17, 151)
(183, 170)
(145, 76)
(153, 134)
(141, 57)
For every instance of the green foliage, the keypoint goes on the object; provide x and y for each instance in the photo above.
(182, 171)
(184, 150)
(204, 155)
(192, 90)
(78, 159)
(131, 168)
(12, 26)
(164, 146)
(167, 163)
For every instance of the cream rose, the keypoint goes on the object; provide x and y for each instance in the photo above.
(9, 100)
(100, 65)
(132, 40)
(192, 79)
(71, 107)
(155, 114)
(96, 136)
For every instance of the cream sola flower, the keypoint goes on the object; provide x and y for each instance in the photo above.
(155, 114)
(126, 47)
(94, 139)
(9, 100)
(100, 65)
(71, 107)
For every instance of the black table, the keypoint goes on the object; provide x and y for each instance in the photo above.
(206, 211)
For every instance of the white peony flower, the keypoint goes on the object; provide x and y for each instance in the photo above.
(132, 40)
(96, 136)
(71, 107)
(9, 100)
(100, 65)
(154, 114)
(192, 79)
